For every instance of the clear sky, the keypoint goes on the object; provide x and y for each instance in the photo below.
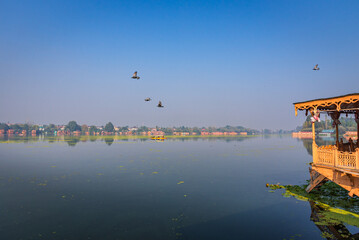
(211, 63)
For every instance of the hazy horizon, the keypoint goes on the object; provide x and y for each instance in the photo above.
(211, 63)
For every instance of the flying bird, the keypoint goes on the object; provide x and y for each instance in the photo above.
(159, 104)
(148, 99)
(316, 68)
(134, 76)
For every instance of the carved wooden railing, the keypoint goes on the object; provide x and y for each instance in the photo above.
(331, 156)
(347, 160)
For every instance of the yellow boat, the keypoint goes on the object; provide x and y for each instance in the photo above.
(158, 137)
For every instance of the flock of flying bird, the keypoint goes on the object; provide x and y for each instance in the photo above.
(135, 76)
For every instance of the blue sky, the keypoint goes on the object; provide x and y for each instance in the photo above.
(211, 63)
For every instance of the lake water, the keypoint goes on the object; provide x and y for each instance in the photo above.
(177, 189)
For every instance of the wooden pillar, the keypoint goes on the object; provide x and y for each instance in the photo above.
(335, 116)
(313, 131)
(337, 134)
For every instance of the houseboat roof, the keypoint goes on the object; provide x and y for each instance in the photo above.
(347, 103)
(328, 131)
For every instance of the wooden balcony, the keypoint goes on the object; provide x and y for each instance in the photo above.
(330, 156)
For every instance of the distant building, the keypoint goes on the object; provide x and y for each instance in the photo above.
(77, 133)
(326, 133)
(154, 132)
(181, 133)
(243, 133)
(217, 133)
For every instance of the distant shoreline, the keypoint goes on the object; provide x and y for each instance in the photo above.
(128, 136)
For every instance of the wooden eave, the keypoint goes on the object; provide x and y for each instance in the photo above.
(346, 103)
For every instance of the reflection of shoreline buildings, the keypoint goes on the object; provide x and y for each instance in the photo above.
(350, 134)
(302, 134)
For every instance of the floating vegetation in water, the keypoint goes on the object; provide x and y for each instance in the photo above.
(275, 186)
(180, 182)
(53, 166)
(154, 172)
(185, 195)
(42, 184)
(327, 235)
(99, 174)
(331, 203)
(329, 193)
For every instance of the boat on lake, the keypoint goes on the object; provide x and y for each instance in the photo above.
(158, 137)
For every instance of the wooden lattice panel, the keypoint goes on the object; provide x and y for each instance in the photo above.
(325, 157)
(347, 160)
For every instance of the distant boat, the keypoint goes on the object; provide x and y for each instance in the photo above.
(158, 137)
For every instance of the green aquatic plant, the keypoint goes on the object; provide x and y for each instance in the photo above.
(332, 204)
(327, 235)
(329, 193)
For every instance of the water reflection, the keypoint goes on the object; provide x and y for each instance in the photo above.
(331, 227)
(109, 140)
(72, 141)
(182, 188)
(307, 143)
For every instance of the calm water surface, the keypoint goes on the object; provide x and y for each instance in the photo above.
(135, 189)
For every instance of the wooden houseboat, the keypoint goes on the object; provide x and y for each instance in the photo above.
(339, 162)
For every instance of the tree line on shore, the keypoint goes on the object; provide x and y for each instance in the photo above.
(73, 126)
(347, 124)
